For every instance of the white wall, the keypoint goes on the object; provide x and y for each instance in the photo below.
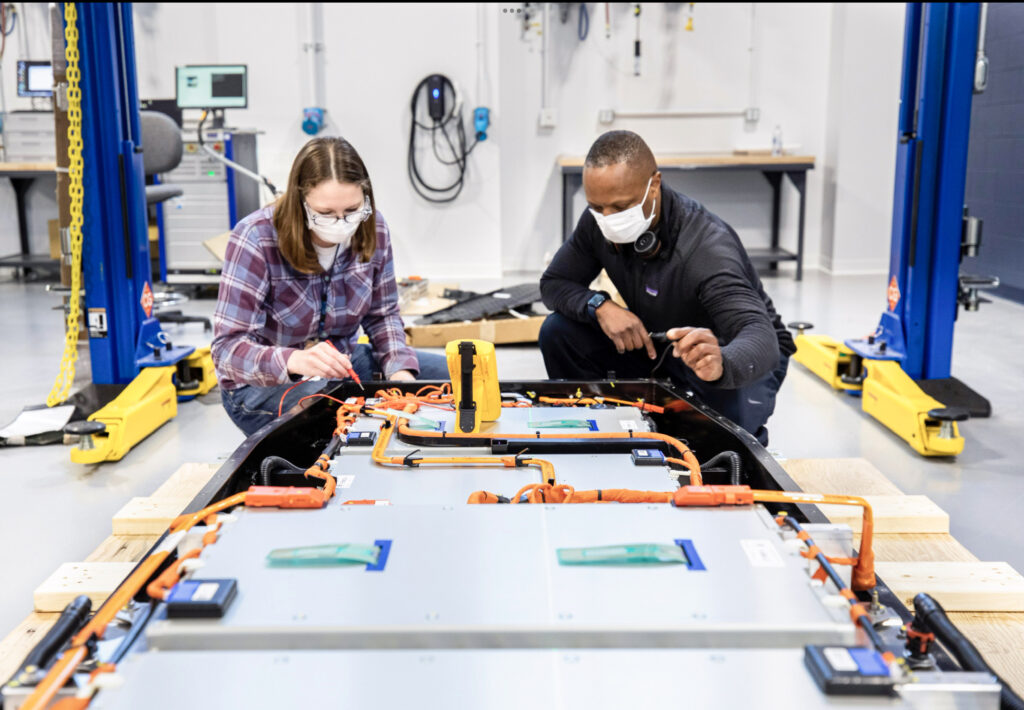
(374, 57)
(827, 74)
(708, 68)
(862, 117)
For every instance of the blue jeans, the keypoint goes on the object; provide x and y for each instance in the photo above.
(581, 351)
(252, 407)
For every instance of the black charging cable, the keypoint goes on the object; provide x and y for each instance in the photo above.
(450, 123)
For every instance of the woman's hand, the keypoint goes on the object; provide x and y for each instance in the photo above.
(321, 360)
(402, 376)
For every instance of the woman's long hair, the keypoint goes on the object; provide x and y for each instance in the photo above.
(321, 159)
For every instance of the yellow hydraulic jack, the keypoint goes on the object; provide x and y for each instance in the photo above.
(888, 394)
(168, 375)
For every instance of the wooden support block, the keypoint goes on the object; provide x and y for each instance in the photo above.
(21, 640)
(96, 580)
(187, 481)
(958, 586)
(922, 547)
(147, 516)
(998, 637)
(849, 477)
(893, 514)
(123, 548)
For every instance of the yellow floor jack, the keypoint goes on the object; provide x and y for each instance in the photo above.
(167, 375)
(887, 393)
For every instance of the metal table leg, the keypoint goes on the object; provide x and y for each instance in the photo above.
(571, 181)
(799, 180)
(775, 180)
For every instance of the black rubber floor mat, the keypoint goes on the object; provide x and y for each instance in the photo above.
(485, 305)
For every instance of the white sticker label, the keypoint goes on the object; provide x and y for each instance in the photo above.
(840, 659)
(382, 502)
(762, 553)
(345, 481)
(204, 592)
(628, 425)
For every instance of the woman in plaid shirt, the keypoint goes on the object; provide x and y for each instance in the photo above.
(300, 277)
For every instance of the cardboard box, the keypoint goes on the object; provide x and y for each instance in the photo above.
(500, 331)
(54, 228)
(218, 246)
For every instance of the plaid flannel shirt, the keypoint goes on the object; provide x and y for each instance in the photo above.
(266, 309)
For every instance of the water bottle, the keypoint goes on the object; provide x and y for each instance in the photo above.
(777, 141)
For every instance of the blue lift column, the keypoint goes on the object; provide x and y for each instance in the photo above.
(916, 329)
(902, 370)
(115, 264)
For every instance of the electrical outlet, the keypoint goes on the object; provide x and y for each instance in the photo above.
(548, 118)
(606, 115)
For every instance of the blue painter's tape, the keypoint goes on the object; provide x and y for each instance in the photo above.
(869, 661)
(693, 559)
(382, 558)
(441, 425)
(593, 424)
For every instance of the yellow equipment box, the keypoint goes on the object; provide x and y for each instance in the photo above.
(474, 371)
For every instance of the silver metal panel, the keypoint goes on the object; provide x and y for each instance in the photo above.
(359, 478)
(463, 576)
(450, 484)
(574, 680)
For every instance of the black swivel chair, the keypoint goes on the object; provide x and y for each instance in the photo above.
(162, 150)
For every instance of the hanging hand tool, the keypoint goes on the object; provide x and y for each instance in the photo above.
(636, 43)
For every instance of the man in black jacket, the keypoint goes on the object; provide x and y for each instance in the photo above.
(680, 269)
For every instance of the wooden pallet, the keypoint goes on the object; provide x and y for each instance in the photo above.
(922, 561)
(119, 550)
(912, 562)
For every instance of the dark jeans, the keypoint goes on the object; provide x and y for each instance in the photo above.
(581, 351)
(251, 407)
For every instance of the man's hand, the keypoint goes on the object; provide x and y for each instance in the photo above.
(321, 360)
(624, 329)
(402, 376)
(698, 349)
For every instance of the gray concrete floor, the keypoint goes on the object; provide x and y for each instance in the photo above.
(52, 511)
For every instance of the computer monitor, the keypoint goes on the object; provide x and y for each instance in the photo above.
(35, 78)
(212, 86)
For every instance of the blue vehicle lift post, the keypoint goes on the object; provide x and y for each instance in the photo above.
(902, 371)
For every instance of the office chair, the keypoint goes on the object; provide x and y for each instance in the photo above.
(162, 149)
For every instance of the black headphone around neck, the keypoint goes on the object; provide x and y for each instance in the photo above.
(646, 245)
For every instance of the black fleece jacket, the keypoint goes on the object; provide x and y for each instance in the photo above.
(701, 277)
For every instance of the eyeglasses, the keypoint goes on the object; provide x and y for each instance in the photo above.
(327, 220)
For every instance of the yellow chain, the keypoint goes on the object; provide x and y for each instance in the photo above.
(66, 377)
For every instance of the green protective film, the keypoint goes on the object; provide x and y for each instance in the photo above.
(560, 424)
(324, 555)
(633, 554)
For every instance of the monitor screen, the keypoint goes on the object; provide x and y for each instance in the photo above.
(35, 78)
(212, 86)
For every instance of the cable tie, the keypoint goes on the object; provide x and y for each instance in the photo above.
(407, 460)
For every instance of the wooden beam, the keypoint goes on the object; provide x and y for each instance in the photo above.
(96, 580)
(849, 477)
(922, 547)
(187, 481)
(147, 516)
(893, 514)
(21, 640)
(958, 586)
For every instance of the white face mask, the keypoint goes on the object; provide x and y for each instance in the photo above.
(339, 233)
(626, 226)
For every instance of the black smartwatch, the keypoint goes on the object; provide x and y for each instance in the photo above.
(595, 302)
